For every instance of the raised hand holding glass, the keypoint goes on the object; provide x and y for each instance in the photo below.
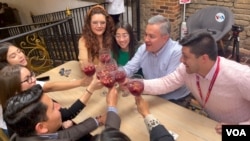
(135, 85)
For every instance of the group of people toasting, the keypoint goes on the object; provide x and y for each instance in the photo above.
(109, 53)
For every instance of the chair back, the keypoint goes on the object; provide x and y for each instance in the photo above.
(217, 20)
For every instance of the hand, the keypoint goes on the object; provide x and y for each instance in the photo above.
(95, 84)
(101, 119)
(142, 106)
(112, 97)
(85, 81)
(123, 85)
(218, 127)
(67, 124)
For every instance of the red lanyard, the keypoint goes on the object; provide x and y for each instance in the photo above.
(210, 85)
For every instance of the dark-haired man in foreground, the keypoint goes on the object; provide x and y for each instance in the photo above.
(33, 116)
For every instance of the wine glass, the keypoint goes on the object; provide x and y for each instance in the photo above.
(135, 85)
(100, 71)
(109, 69)
(108, 80)
(120, 77)
(89, 68)
(106, 74)
(104, 55)
(111, 65)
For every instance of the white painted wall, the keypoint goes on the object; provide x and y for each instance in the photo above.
(25, 7)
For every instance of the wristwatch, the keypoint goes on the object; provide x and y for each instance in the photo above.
(151, 121)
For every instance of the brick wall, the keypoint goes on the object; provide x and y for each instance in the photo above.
(173, 10)
(168, 8)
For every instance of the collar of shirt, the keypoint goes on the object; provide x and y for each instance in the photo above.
(168, 44)
(210, 74)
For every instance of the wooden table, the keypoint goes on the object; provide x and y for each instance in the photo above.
(189, 125)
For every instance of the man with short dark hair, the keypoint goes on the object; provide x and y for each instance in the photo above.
(32, 115)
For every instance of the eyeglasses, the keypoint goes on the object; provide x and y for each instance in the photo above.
(29, 78)
(96, 23)
(125, 36)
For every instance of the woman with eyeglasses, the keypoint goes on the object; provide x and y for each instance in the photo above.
(11, 55)
(97, 33)
(125, 44)
(17, 78)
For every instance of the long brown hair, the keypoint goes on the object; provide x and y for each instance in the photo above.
(91, 42)
(10, 82)
(4, 48)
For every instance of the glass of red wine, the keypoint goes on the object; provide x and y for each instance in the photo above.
(89, 69)
(135, 85)
(104, 55)
(100, 71)
(106, 74)
(108, 80)
(120, 77)
(111, 65)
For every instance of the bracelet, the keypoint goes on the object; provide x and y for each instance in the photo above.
(151, 122)
(88, 91)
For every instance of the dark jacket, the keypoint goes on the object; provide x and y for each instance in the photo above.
(72, 111)
(73, 133)
(70, 134)
(160, 133)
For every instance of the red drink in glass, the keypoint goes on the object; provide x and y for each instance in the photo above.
(104, 58)
(101, 73)
(120, 76)
(111, 67)
(135, 87)
(89, 70)
(108, 80)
